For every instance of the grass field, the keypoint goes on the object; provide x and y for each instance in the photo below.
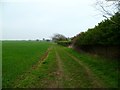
(28, 64)
(19, 56)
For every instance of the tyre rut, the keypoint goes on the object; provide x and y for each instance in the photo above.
(95, 81)
(62, 78)
(60, 70)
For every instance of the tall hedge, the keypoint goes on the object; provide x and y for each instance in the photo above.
(106, 32)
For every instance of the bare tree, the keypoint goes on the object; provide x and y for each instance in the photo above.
(108, 7)
(58, 37)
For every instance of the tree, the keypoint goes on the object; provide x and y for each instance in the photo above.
(108, 8)
(105, 33)
(43, 39)
(58, 37)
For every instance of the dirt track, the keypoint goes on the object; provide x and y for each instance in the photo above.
(59, 69)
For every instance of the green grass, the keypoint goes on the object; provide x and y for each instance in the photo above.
(19, 56)
(105, 69)
(62, 67)
(75, 74)
(42, 76)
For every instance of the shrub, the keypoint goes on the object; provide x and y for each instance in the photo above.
(64, 43)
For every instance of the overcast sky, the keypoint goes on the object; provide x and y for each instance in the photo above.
(37, 19)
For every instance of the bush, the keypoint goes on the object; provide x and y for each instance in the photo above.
(106, 32)
(64, 43)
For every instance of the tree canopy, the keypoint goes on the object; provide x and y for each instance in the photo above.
(106, 32)
(58, 37)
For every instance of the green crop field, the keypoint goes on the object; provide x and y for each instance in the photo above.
(19, 56)
(31, 64)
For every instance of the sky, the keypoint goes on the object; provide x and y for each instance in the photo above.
(38, 19)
